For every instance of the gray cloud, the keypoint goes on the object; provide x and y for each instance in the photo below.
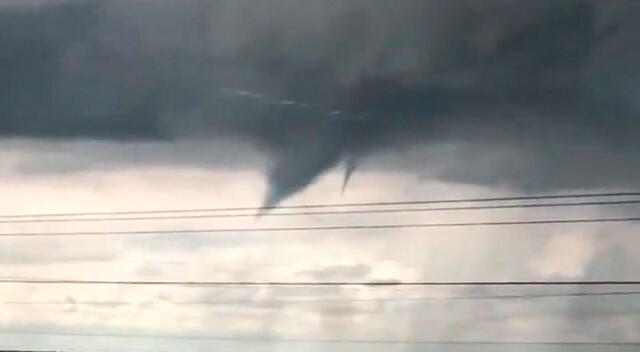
(534, 95)
(53, 252)
(339, 272)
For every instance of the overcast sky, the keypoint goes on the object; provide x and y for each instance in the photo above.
(182, 104)
(558, 252)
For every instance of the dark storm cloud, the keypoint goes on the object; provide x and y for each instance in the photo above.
(549, 86)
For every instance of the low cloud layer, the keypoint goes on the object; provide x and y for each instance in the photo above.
(529, 94)
(554, 252)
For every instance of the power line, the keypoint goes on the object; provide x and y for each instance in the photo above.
(329, 300)
(335, 205)
(316, 284)
(335, 212)
(319, 341)
(323, 228)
